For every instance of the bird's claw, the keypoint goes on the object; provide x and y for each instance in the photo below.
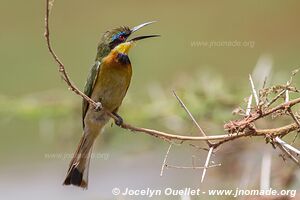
(119, 120)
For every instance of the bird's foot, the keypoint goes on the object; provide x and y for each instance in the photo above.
(98, 106)
(119, 121)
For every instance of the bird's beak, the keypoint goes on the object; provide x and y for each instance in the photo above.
(142, 37)
(134, 29)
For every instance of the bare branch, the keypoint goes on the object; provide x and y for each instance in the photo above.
(276, 97)
(241, 124)
(296, 135)
(293, 116)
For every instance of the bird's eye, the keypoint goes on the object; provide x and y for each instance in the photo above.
(121, 37)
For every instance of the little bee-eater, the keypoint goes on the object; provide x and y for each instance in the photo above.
(107, 83)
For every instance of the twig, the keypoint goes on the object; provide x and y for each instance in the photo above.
(282, 106)
(165, 160)
(276, 97)
(295, 137)
(206, 163)
(242, 123)
(191, 116)
(293, 116)
(253, 90)
(297, 122)
(286, 90)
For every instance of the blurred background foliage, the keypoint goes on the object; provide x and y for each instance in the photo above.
(38, 115)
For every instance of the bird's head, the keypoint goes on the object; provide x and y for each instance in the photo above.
(117, 39)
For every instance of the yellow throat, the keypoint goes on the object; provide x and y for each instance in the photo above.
(123, 47)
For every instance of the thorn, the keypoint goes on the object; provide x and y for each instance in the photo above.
(253, 90)
(206, 163)
(286, 145)
(248, 110)
(287, 96)
(165, 160)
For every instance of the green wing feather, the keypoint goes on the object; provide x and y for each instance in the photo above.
(89, 86)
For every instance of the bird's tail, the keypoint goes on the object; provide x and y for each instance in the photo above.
(79, 166)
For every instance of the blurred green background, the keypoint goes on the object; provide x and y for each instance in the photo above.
(40, 117)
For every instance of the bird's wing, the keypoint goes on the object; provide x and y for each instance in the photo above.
(89, 86)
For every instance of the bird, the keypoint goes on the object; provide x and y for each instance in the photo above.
(107, 83)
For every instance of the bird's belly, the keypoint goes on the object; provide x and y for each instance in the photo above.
(111, 88)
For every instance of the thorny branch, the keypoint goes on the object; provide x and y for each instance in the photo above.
(243, 127)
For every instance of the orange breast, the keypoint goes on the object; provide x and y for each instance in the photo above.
(112, 82)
